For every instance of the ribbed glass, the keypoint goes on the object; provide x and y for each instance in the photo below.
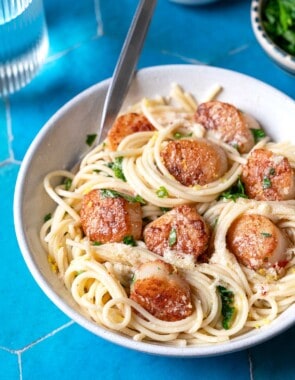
(24, 42)
(10, 9)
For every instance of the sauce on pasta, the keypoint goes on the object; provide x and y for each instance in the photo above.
(138, 198)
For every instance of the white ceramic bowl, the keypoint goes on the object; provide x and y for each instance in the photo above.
(279, 56)
(61, 142)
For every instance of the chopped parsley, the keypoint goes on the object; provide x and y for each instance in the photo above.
(266, 234)
(227, 309)
(133, 278)
(215, 223)
(165, 209)
(279, 23)
(116, 166)
(236, 191)
(47, 217)
(97, 243)
(272, 171)
(258, 134)
(172, 239)
(68, 183)
(266, 184)
(179, 135)
(108, 193)
(162, 192)
(129, 240)
(90, 139)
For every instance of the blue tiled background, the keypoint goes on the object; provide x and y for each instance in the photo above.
(36, 339)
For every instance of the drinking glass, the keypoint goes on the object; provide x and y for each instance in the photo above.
(23, 42)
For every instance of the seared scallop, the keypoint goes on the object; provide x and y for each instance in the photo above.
(158, 288)
(228, 123)
(257, 242)
(125, 125)
(181, 231)
(194, 162)
(110, 219)
(268, 176)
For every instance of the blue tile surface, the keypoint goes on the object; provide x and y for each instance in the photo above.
(114, 362)
(36, 339)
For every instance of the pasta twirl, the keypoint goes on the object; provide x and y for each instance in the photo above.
(99, 275)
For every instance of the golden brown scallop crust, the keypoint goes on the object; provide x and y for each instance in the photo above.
(164, 294)
(230, 124)
(125, 125)
(194, 162)
(108, 220)
(268, 177)
(191, 232)
(254, 239)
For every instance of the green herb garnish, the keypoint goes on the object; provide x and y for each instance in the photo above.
(179, 135)
(108, 193)
(47, 217)
(90, 139)
(97, 243)
(116, 166)
(80, 272)
(227, 309)
(165, 209)
(133, 279)
(129, 240)
(172, 239)
(68, 183)
(258, 134)
(162, 192)
(279, 23)
(215, 223)
(236, 191)
(266, 184)
(266, 234)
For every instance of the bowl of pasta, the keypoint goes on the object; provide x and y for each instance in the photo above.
(176, 235)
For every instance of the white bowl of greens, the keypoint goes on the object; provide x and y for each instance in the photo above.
(273, 23)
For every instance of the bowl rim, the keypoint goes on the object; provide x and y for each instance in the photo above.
(283, 58)
(115, 337)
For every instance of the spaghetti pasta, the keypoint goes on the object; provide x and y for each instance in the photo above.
(99, 275)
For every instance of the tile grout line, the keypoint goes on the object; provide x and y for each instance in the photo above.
(238, 49)
(49, 335)
(250, 365)
(20, 367)
(98, 17)
(185, 59)
(9, 128)
(19, 353)
(99, 33)
(60, 54)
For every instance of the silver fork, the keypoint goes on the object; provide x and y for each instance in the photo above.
(125, 67)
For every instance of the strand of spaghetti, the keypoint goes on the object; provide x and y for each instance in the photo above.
(50, 191)
(98, 277)
(205, 338)
(135, 180)
(150, 323)
(206, 292)
(135, 142)
(223, 183)
(265, 318)
(184, 98)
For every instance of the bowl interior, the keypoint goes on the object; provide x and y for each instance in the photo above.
(61, 143)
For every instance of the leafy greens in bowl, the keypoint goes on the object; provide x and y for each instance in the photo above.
(273, 23)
